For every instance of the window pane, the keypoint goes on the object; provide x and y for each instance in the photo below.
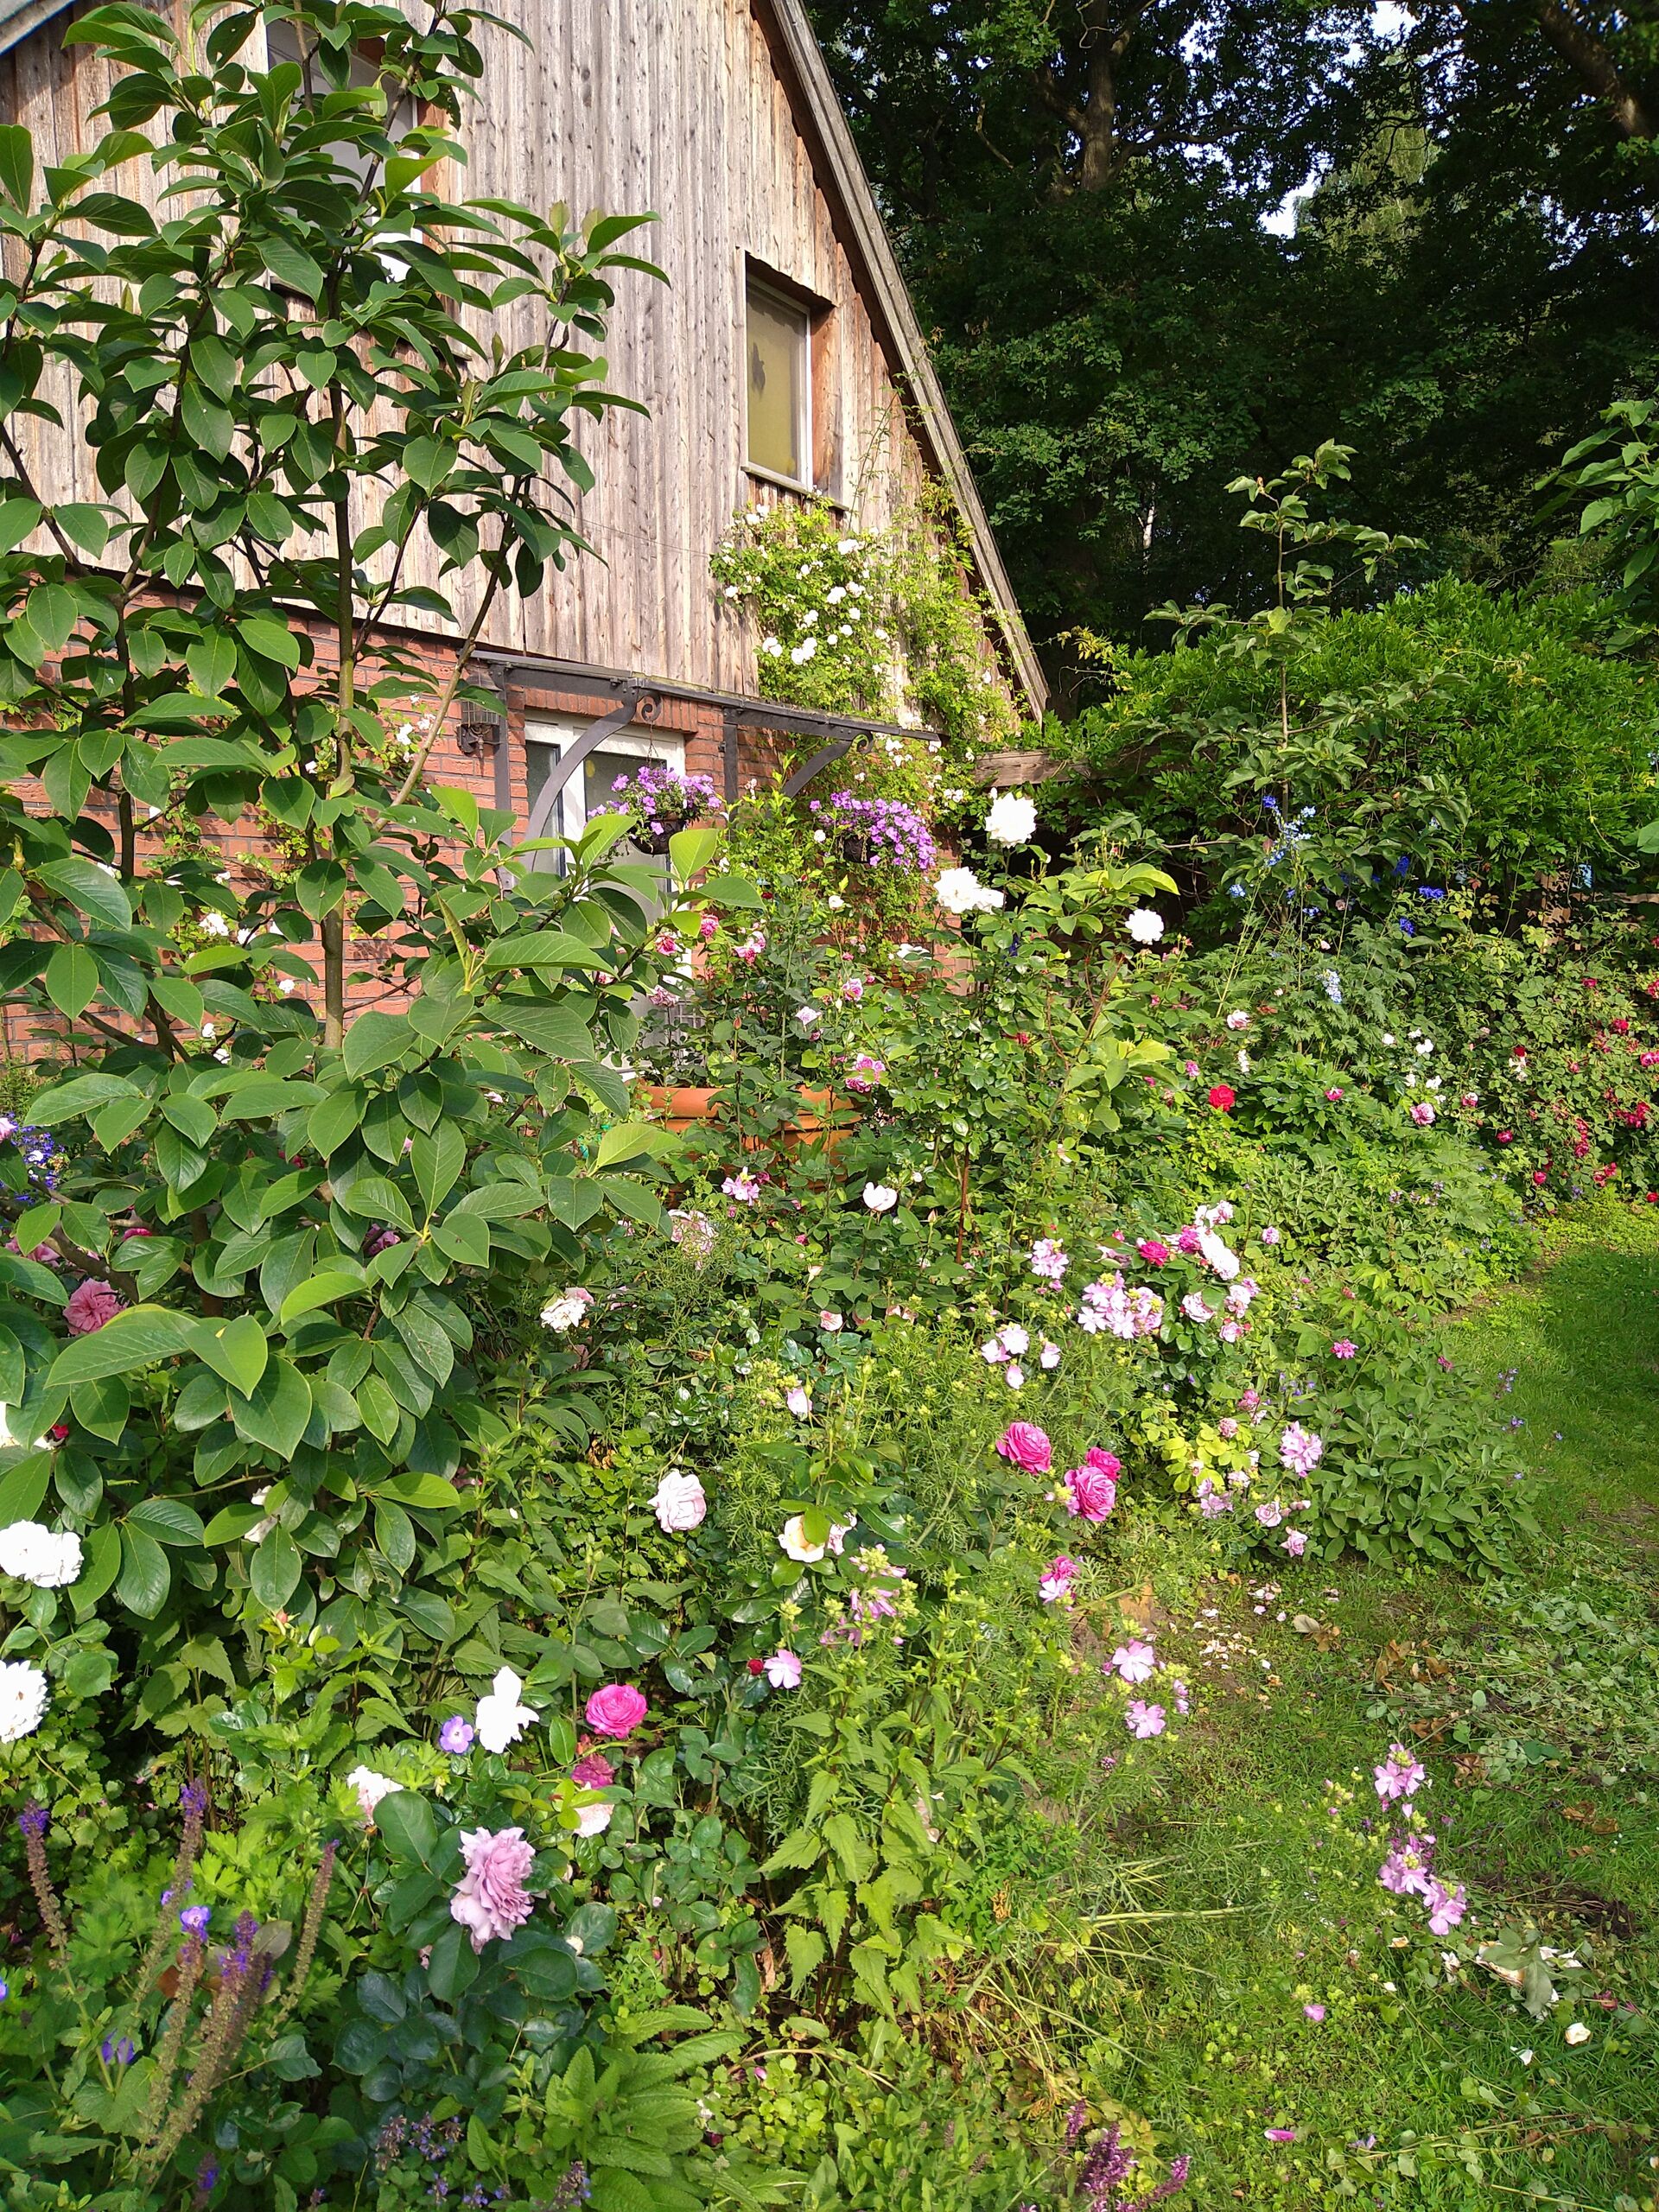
(777, 345)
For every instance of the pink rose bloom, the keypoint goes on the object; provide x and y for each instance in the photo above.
(1144, 1719)
(1230, 1331)
(1249, 1400)
(1333, 1096)
(1153, 1251)
(594, 1772)
(1422, 1113)
(1344, 1348)
(1024, 1445)
(1295, 1543)
(1314, 2012)
(1057, 1579)
(137, 1230)
(91, 1304)
(1187, 1242)
(1227, 1427)
(1194, 1307)
(1134, 1661)
(852, 989)
(1103, 1463)
(708, 927)
(615, 1709)
(1271, 1514)
(491, 1900)
(1090, 1493)
(1271, 1236)
(1470, 1098)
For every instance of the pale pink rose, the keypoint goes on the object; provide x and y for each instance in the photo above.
(491, 1900)
(90, 1305)
(1089, 1494)
(784, 1671)
(615, 1709)
(1024, 1445)
(1295, 1543)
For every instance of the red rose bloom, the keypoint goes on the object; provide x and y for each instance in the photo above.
(1222, 1097)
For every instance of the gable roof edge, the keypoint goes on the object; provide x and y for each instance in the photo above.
(19, 17)
(844, 171)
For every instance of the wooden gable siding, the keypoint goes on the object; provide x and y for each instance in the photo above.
(672, 105)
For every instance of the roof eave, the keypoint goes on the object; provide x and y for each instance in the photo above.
(818, 107)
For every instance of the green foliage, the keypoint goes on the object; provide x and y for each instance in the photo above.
(1449, 731)
(1625, 510)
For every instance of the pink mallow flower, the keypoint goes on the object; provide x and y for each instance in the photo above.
(1057, 1579)
(491, 1900)
(92, 1306)
(615, 1709)
(1024, 1445)
(1400, 1774)
(1143, 1719)
(1445, 1908)
(784, 1671)
(1314, 2012)
(1134, 1661)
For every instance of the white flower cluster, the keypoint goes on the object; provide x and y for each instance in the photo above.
(35, 1554)
(959, 891)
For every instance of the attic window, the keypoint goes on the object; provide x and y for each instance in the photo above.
(778, 344)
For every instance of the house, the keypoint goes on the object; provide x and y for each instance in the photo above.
(782, 360)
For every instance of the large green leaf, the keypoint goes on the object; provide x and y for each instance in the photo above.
(276, 1411)
(80, 1094)
(134, 1339)
(375, 1041)
(274, 1570)
(145, 1575)
(237, 1349)
(94, 890)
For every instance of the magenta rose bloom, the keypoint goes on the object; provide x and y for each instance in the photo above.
(616, 1709)
(594, 1772)
(1026, 1445)
(90, 1305)
(1103, 1463)
(1089, 1493)
(491, 1900)
(1153, 1251)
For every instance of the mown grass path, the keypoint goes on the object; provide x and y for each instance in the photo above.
(1535, 1705)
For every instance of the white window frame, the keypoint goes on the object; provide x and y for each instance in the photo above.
(775, 294)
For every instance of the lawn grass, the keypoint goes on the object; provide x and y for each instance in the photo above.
(1535, 1703)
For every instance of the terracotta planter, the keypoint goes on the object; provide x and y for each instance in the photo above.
(820, 1118)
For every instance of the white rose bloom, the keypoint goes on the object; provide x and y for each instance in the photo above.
(1145, 926)
(1223, 1261)
(565, 1312)
(679, 1503)
(959, 891)
(1011, 820)
(35, 1554)
(502, 1718)
(371, 1787)
(881, 1198)
(24, 1700)
(593, 1820)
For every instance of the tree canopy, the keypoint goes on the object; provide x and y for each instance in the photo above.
(1155, 244)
